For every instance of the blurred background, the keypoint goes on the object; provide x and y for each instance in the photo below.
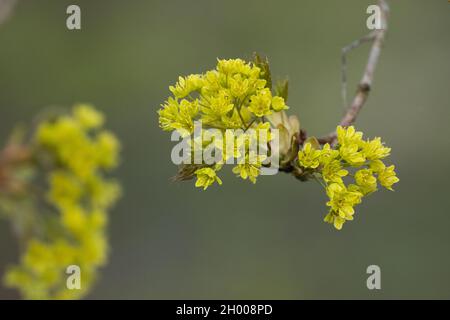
(242, 241)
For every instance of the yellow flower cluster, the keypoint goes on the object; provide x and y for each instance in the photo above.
(332, 165)
(78, 151)
(235, 95)
(238, 95)
(231, 96)
(249, 163)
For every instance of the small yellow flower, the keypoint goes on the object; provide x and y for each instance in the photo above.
(278, 104)
(206, 177)
(262, 133)
(233, 66)
(65, 188)
(327, 154)
(178, 115)
(332, 171)
(334, 219)
(388, 177)
(375, 150)
(348, 136)
(186, 85)
(250, 167)
(239, 87)
(351, 154)
(366, 181)
(88, 117)
(260, 103)
(107, 147)
(309, 157)
(342, 201)
(74, 219)
(377, 166)
(216, 109)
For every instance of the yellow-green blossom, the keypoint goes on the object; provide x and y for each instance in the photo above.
(365, 155)
(250, 167)
(72, 228)
(87, 116)
(352, 154)
(235, 95)
(365, 180)
(239, 87)
(214, 112)
(309, 157)
(332, 171)
(388, 177)
(70, 140)
(348, 136)
(230, 96)
(327, 154)
(65, 188)
(342, 200)
(260, 103)
(186, 85)
(377, 166)
(278, 104)
(238, 95)
(375, 150)
(206, 177)
(233, 66)
(177, 115)
(107, 149)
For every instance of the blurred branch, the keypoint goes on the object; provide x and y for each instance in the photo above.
(11, 156)
(364, 86)
(6, 8)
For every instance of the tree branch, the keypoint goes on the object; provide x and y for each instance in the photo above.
(364, 86)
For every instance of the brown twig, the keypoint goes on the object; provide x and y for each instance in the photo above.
(364, 86)
(11, 156)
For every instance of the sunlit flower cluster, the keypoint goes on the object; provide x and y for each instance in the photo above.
(239, 95)
(235, 95)
(73, 152)
(333, 165)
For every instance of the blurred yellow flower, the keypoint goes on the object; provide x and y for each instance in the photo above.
(78, 152)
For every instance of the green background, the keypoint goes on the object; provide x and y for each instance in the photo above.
(264, 241)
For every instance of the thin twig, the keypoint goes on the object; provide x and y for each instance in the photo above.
(355, 44)
(364, 86)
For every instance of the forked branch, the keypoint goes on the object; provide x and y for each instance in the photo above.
(365, 85)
